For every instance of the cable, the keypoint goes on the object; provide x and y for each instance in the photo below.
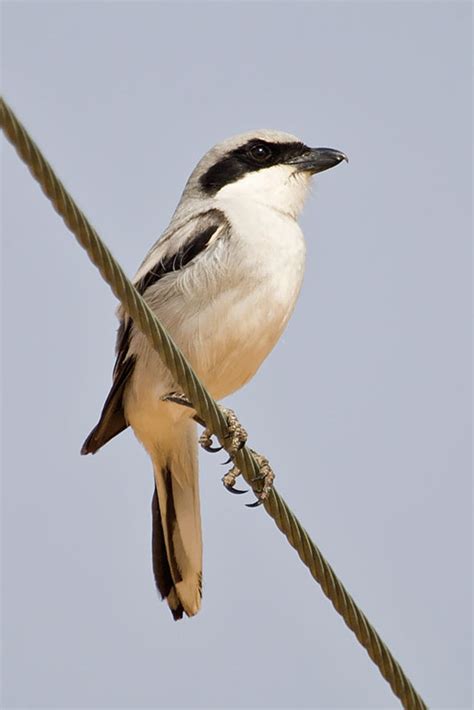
(206, 408)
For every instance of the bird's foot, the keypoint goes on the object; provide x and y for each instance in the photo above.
(235, 432)
(265, 476)
(238, 436)
(180, 398)
(177, 398)
(229, 480)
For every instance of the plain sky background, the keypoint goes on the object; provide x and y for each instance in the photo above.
(363, 407)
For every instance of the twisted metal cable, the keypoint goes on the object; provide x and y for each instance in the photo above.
(206, 407)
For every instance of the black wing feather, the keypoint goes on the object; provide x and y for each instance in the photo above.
(177, 261)
(112, 419)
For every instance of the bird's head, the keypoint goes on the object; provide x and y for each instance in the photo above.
(265, 166)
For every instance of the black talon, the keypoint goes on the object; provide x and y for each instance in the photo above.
(229, 460)
(231, 489)
(213, 449)
(258, 502)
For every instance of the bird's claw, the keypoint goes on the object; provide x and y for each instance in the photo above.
(255, 504)
(181, 399)
(238, 491)
(176, 398)
(205, 440)
(235, 432)
(229, 480)
(238, 436)
(265, 475)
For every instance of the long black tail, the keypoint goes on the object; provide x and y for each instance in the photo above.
(177, 539)
(161, 566)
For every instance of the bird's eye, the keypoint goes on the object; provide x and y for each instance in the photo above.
(260, 152)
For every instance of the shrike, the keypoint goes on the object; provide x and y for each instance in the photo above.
(223, 279)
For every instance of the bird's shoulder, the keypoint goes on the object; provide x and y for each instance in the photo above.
(181, 244)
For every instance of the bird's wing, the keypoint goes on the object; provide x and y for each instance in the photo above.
(178, 249)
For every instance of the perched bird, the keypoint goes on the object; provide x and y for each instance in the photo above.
(223, 279)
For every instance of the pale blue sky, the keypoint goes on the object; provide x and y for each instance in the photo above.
(363, 407)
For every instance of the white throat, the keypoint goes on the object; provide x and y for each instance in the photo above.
(280, 188)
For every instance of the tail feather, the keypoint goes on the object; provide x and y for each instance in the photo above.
(176, 538)
(161, 568)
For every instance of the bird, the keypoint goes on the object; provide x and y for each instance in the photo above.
(223, 279)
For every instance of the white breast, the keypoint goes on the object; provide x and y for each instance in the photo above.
(242, 325)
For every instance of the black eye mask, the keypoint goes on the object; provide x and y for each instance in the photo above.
(254, 155)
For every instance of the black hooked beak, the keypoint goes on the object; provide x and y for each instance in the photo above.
(315, 160)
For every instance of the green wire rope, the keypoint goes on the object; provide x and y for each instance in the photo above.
(206, 407)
